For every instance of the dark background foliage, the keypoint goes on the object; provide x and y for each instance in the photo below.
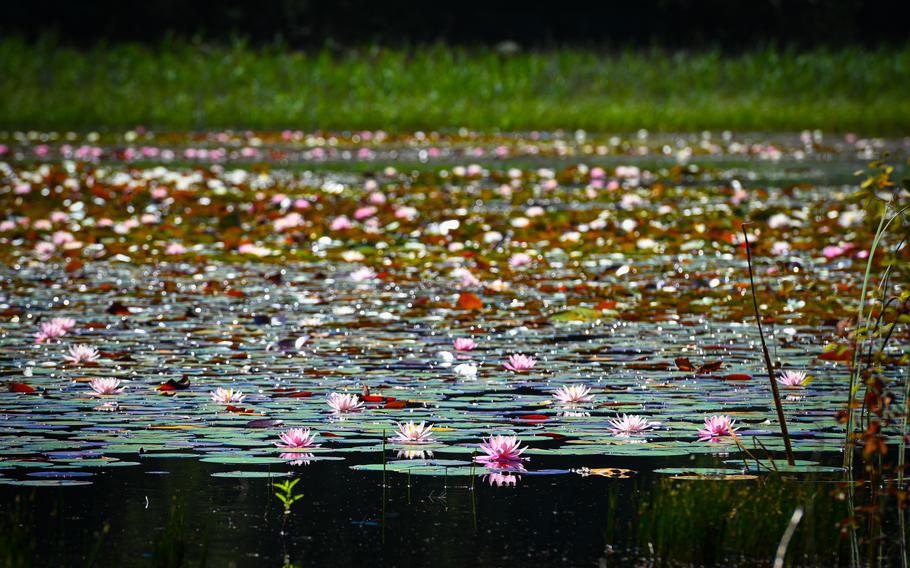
(731, 24)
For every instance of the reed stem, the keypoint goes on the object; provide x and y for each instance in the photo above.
(764, 347)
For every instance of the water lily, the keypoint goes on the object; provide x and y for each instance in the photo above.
(50, 330)
(363, 274)
(342, 403)
(364, 212)
(464, 344)
(297, 438)
(519, 259)
(413, 433)
(630, 424)
(175, 249)
(572, 414)
(519, 363)
(501, 450)
(341, 223)
(792, 379)
(227, 395)
(445, 358)
(82, 354)
(106, 386)
(573, 394)
(716, 427)
(466, 370)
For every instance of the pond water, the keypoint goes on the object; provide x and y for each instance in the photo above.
(290, 266)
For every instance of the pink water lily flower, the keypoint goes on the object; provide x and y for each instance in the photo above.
(45, 250)
(502, 451)
(716, 427)
(630, 424)
(519, 363)
(341, 403)
(413, 433)
(106, 386)
(50, 330)
(519, 259)
(175, 249)
(82, 354)
(792, 379)
(297, 438)
(464, 344)
(227, 395)
(573, 394)
(341, 223)
(364, 212)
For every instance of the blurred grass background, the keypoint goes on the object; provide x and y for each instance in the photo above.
(179, 85)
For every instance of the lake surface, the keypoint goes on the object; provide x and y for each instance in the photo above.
(292, 266)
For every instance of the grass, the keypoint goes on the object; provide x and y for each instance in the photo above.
(716, 522)
(182, 85)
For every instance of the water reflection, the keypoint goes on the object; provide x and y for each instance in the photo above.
(297, 458)
(502, 479)
(414, 454)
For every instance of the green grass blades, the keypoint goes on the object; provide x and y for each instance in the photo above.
(181, 85)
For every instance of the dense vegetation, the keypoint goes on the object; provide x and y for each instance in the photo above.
(185, 85)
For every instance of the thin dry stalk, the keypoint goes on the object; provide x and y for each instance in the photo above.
(764, 347)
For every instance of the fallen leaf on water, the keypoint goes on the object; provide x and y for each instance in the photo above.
(469, 301)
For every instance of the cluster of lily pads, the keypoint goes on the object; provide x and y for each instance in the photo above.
(466, 317)
(145, 146)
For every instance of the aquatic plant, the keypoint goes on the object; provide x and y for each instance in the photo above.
(501, 451)
(284, 491)
(573, 394)
(792, 379)
(106, 386)
(18, 538)
(466, 370)
(342, 403)
(82, 353)
(297, 438)
(708, 522)
(50, 330)
(363, 274)
(869, 500)
(520, 363)
(169, 546)
(464, 344)
(227, 395)
(716, 427)
(778, 406)
(412, 433)
(630, 424)
(519, 259)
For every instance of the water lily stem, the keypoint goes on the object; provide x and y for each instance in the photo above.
(764, 346)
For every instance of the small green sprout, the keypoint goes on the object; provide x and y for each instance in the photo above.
(285, 493)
